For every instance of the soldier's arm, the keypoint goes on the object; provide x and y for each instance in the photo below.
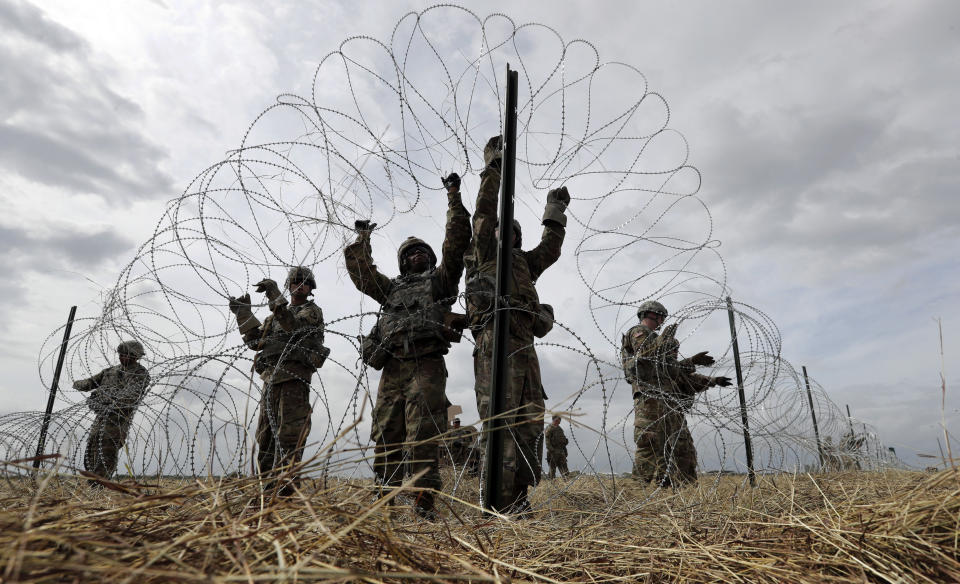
(547, 251)
(455, 243)
(253, 336)
(310, 316)
(89, 383)
(485, 216)
(645, 351)
(698, 383)
(363, 272)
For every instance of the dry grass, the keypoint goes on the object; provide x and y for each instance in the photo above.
(856, 527)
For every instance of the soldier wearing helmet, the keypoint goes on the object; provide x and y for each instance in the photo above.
(289, 345)
(659, 380)
(117, 392)
(524, 399)
(413, 334)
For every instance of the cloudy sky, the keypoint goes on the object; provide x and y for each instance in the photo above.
(825, 135)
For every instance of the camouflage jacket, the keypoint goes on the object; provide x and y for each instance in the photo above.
(117, 390)
(555, 438)
(527, 266)
(442, 283)
(289, 343)
(658, 373)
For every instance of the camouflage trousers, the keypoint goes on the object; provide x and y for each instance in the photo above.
(523, 413)
(557, 460)
(665, 450)
(685, 454)
(410, 413)
(284, 424)
(107, 436)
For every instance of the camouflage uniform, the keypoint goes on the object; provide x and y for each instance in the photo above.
(411, 406)
(655, 421)
(459, 442)
(556, 450)
(290, 349)
(117, 391)
(664, 391)
(524, 399)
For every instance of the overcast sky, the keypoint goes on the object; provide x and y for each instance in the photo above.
(825, 134)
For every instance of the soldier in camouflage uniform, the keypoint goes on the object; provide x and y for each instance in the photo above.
(556, 448)
(524, 399)
(117, 391)
(688, 383)
(459, 441)
(290, 349)
(658, 417)
(414, 330)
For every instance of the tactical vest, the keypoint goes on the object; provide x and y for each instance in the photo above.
(481, 291)
(411, 321)
(300, 346)
(635, 370)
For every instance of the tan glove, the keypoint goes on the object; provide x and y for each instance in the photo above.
(268, 287)
(493, 153)
(242, 309)
(557, 201)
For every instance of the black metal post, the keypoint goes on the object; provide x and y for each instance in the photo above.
(501, 323)
(850, 421)
(813, 415)
(53, 387)
(743, 400)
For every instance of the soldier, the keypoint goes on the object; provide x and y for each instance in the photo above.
(414, 335)
(689, 383)
(290, 349)
(117, 391)
(524, 399)
(556, 448)
(658, 420)
(459, 442)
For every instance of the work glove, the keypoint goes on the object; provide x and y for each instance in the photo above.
(493, 153)
(268, 287)
(702, 359)
(240, 305)
(452, 183)
(557, 201)
(244, 312)
(364, 226)
(80, 385)
(722, 381)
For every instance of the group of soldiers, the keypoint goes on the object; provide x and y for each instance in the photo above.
(413, 332)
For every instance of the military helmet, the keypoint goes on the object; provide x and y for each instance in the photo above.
(132, 348)
(518, 233)
(410, 243)
(651, 306)
(300, 274)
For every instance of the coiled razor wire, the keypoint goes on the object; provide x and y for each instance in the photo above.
(382, 121)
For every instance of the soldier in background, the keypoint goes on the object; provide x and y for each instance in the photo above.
(117, 392)
(414, 333)
(556, 448)
(290, 349)
(459, 441)
(524, 399)
(658, 419)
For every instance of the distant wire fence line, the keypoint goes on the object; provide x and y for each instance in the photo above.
(383, 121)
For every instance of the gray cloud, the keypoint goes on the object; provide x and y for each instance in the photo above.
(64, 126)
(66, 248)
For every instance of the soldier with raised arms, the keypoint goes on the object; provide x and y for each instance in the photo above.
(409, 342)
(117, 392)
(290, 349)
(524, 399)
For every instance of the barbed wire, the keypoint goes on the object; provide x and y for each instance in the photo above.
(383, 121)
